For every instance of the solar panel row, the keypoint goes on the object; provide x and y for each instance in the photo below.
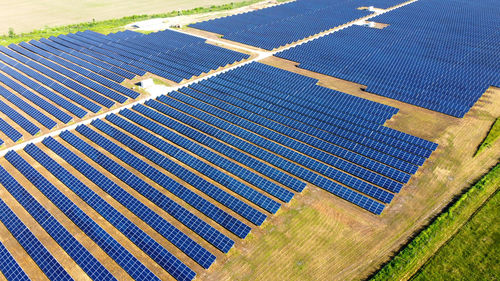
(215, 152)
(242, 118)
(283, 146)
(287, 126)
(266, 156)
(163, 227)
(155, 196)
(438, 60)
(175, 178)
(9, 266)
(186, 132)
(94, 231)
(87, 68)
(62, 236)
(295, 140)
(283, 24)
(43, 258)
(213, 158)
(245, 210)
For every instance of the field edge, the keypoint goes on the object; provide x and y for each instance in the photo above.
(432, 237)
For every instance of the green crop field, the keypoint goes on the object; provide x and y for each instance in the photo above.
(473, 253)
(459, 244)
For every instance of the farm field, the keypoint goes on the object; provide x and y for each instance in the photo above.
(27, 15)
(471, 252)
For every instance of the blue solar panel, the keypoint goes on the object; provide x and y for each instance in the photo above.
(167, 53)
(298, 171)
(438, 60)
(200, 166)
(50, 83)
(74, 44)
(154, 174)
(9, 131)
(156, 196)
(153, 219)
(157, 252)
(88, 59)
(217, 145)
(112, 247)
(214, 158)
(308, 134)
(134, 205)
(35, 99)
(93, 91)
(65, 239)
(282, 150)
(77, 61)
(78, 73)
(27, 125)
(47, 263)
(334, 161)
(26, 107)
(9, 266)
(283, 24)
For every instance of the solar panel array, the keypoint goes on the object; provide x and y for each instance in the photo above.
(443, 59)
(283, 24)
(186, 175)
(55, 81)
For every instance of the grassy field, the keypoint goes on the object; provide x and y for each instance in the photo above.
(472, 253)
(27, 15)
(492, 136)
(470, 246)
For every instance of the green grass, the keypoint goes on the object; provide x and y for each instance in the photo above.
(161, 82)
(411, 258)
(112, 25)
(492, 136)
(473, 252)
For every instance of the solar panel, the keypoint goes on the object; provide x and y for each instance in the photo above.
(63, 237)
(112, 247)
(142, 211)
(214, 158)
(47, 263)
(200, 166)
(9, 266)
(437, 60)
(157, 252)
(155, 196)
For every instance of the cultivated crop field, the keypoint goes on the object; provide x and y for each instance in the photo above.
(26, 15)
(472, 252)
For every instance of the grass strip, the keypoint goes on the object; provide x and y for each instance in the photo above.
(472, 253)
(419, 250)
(493, 135)
(107, 26)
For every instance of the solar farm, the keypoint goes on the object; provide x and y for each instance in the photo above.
(308, 140)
